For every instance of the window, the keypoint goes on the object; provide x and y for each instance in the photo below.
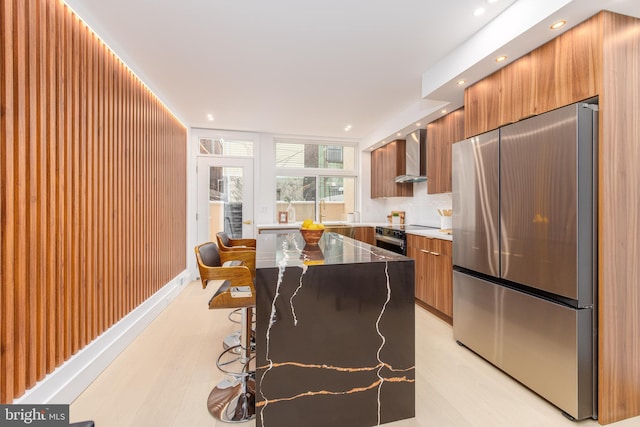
(318, 179)
(226, 147)
(294, 155)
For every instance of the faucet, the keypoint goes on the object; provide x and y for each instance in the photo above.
(322, 202)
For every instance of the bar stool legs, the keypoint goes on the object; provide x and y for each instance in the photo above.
(233, 399)
(234, 339)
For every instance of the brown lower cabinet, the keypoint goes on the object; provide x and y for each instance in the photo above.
(434, 278)
(365, 234)
(362, 233)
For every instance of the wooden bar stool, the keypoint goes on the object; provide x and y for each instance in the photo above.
(232, 400)
(237, 249)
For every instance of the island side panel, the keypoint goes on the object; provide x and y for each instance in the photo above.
(326, 368)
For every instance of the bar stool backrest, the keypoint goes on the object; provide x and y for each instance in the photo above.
(223, 238)
(209, 254)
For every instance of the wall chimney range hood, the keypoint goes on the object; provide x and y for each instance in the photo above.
(416, 157)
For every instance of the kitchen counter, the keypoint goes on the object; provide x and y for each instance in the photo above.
(435, 233)
(335, 340)
(296, 225)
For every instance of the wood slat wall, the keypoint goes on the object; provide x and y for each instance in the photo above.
(92, 191)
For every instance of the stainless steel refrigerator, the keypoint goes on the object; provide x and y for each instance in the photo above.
(524, 253)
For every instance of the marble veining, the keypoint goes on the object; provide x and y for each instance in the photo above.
(308, 259)
(383, 339)
(282, 265)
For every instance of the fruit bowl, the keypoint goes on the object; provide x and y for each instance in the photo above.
(311, 237)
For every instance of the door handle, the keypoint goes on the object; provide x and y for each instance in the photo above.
(247, 222)
(435, 253)
(424, 251)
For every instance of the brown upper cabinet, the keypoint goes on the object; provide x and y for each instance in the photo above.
(441, 134)
(560, 72)
(386, 163)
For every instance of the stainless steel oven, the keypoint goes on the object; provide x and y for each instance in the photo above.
(394, 237)
(391, 239)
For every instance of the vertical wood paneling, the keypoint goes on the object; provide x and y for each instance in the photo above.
(20, 162)
(619, 210)
(75, 199)
(88, 199)
(92, 191)
(31, 195)
(100, 183)
(67, 167)
(50, 190)
(41, 186)
(7, 203)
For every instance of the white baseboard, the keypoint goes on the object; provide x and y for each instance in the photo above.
(65, 384)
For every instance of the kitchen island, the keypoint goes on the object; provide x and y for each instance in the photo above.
(335, 342)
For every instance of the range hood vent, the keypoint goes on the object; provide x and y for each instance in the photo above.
(416, 157)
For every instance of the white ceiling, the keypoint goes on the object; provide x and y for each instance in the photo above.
(306, 68)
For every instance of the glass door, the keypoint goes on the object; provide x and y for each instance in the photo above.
(225, 197)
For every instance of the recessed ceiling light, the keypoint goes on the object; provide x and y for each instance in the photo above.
(492, 1)
(347, 128)
(398, 134)
(479, 11)
(461, 82)
(443, 111)
(418, 124)
(210, 117)
(501, 58)
(558, 24)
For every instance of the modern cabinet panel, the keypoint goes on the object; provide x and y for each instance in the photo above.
(386, 163)
(365, 234)
(516, 101)
(441, 275)
(434, 283)
(561, 72)
(376, 173)
(566, 70)
(441, 134)
(482, 105)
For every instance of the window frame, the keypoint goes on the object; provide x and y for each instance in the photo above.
(319, 173)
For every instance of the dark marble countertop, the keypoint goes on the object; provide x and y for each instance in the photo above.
(334, 333)
(289, 248)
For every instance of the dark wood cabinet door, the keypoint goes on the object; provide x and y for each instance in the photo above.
(387, 162)
(434, 277)
(482, 105)
(364, 234)
(441, 134)
(566, 69)
(442, 276)
(376, 173)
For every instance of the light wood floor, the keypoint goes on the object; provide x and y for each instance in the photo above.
(164, 377)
